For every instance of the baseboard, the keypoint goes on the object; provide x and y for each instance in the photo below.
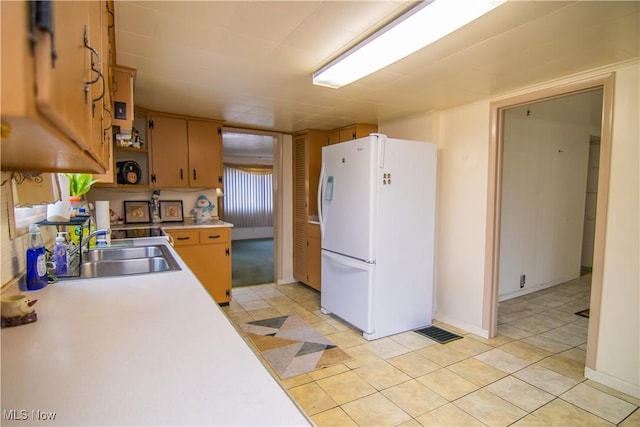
(613, 382)
(286, 281)
(463, 326)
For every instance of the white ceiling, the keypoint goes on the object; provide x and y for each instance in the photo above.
(250, 63)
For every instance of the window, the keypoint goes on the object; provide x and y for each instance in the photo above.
(248, 195)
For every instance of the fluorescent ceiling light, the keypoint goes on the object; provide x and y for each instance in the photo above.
(419, 27)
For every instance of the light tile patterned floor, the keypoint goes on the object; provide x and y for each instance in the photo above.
(530, 374)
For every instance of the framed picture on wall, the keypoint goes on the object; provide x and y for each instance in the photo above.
(136, 211)
(171, 211)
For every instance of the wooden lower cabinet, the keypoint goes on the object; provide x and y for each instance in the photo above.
(313, 256)
(207, 252)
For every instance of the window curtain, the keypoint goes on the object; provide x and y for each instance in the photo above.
(248, 195)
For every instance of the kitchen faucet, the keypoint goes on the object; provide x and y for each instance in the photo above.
(102, 231)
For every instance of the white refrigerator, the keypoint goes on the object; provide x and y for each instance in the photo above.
(376, 203)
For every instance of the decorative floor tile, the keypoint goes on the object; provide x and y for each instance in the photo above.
(335, 417)
(346, 387)
(447, 384)
(565, 366)
(489, 408)
(386, 348)
(468, 346)
(382, 375)
(546, 343)
(375, 410)
(599, 403)
(502, 360)
(448, 416)
(477, 372)
(413, 364)
(561, 413)
(412, 340)
(414, 398)
(312, 398)
(442, 354)
(525, 351)
(546, 379)
(523, 395)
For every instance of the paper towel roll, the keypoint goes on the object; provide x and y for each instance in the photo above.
(59, 211)
(103, 216)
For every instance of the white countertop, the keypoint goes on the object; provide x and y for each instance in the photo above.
(150, 349)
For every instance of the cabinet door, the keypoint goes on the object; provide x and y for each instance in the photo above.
(313, 256)
(99, 92)
(63, 93)
(205, 154)
(169, 152)
(334, 137)
(300, 207)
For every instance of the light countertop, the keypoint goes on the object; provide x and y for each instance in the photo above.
(150, 349)
(188, 222)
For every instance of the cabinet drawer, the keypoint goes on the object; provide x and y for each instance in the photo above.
(184, 237)
(214, 235)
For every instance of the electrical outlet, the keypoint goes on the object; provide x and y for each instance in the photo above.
(523, 279)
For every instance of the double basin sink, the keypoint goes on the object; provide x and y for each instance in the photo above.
(126, 260)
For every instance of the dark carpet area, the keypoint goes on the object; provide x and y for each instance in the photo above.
(252, 262)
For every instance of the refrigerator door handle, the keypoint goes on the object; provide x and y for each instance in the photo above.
(346, 261)
(320, 188)
(382, 141)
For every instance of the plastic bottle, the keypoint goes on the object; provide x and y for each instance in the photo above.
(36, 261)
(60, 254)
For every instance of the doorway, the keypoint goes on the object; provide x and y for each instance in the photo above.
(496, 179)
(545, 171)
(251, 203)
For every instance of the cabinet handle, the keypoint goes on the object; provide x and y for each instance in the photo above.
(226, 252)
(215, 236)
(181, 175)
(183, 238)
(98, 70)
(194, 174)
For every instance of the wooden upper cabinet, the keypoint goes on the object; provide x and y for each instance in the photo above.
(49, 96)
(185, 152)
(169, 152)
(123, 108)
(63, 92)
(350, 132)
(205, 154)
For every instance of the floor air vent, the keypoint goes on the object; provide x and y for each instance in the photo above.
(438, 335)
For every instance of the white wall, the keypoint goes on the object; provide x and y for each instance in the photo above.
(116, 197)
(543, 198)
(462, 135)
(618, 350)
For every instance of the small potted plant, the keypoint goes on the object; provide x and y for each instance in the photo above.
(79, 185)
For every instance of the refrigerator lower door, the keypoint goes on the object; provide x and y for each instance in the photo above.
(347, 289)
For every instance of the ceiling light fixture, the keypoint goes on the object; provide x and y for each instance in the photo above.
(419, 27)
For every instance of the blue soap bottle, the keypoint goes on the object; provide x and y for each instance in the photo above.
(60, 254)
(36, 260)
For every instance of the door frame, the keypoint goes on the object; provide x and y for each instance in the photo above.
(494, 198)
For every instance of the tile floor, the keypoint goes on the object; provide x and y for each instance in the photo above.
(530, 374)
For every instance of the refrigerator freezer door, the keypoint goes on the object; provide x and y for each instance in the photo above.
(347, 198)
(350, 291)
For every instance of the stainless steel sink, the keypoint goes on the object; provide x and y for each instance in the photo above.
(131, 252)
(125, 261)
(125, 267)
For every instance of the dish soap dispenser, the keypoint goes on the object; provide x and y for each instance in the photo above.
(36, 262)
(60, 254)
